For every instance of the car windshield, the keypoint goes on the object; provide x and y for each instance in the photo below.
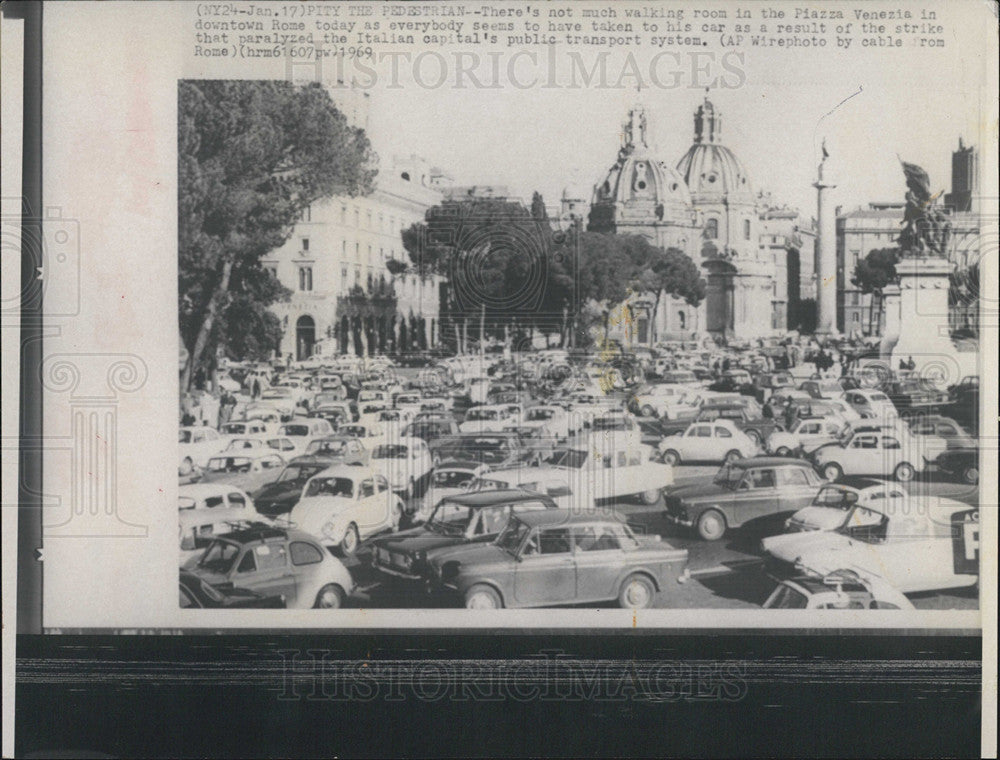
(835, 498)
(403, 399)
(574, 458)
(729, 476)
(354, 431)
(390, 451)
(322, 398)
(451, 518)
(540, 414)
(233, 428)
(787, 598)
(486, 484)
(489, 450)
(878, 397)
(332, 486)
(327, 448)
(294, 473)
(512, 536)
(299, 430)
(229, 464)
(219, 557)
(452, 478)
(475, 415)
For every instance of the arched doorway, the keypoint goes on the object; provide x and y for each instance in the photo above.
(305, 337)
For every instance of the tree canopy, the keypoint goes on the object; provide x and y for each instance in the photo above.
(252, 155)
(507, 267)
(876, 270)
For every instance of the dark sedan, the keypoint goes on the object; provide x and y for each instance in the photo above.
(467, 518)
(963, 463)
(742, 491)
(559, 556)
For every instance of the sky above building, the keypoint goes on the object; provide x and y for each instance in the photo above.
(873, 107)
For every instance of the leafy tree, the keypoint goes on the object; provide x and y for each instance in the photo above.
(252, 155)
(665, 272)
(874, 272)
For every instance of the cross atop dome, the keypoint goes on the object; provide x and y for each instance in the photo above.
(707, 122)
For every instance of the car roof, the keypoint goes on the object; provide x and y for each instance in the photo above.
(567, 517)
(352, 471)
(770, 462)
(264, 532)
(490, 498)
(200, 490)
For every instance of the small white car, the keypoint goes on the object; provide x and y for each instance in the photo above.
(371, 434)
(805, 435)
(281, 399)
(232, 430)
(492, 418)
(717, 441)
(559, 484)
(346, 504)
(871, 404)
(840, 590)
(448, 479)
(196, 445)
(549, 421)
(832, 505)
(884, 452)
(913, 549)
(406, 463)
(205, 496)
(663, 401)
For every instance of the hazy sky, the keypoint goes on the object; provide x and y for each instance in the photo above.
(908, 102)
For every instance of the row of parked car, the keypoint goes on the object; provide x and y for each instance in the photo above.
(496, 490)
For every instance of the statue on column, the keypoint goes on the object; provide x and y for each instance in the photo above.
(926, 228)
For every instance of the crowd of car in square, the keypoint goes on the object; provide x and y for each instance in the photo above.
(502, 480)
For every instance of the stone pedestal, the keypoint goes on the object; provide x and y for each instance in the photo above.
(917, 321)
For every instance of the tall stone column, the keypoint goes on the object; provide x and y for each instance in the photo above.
(826, 251)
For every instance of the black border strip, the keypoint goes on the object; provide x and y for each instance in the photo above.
(29, 490)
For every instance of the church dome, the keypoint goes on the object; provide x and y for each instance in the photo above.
(709, 168)
(637, 175)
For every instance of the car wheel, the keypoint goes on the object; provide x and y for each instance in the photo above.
(483, 597)
(783, 451)
(671, 457)
(187, 466)
(651, 496)
(832, 472)
(637, 593)
(349, 544)
(711, 525)
(330, 597)
(904, 472)
(971, 475)
(754, 436)
(732, 456)
(648, 411)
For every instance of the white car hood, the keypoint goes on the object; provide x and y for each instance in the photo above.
(822, 552)
(818, 518)
(312, 513)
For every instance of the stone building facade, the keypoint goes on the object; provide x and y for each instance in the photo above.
(707, 207)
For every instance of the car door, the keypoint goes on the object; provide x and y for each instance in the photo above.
(795, 488)
(546, 570)
(599, 557)
(698, 442)
(860, 456)
(264, 568)
(756, 496)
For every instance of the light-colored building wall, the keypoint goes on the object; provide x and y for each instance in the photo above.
(343, 242)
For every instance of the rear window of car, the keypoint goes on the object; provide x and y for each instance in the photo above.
(304, 554)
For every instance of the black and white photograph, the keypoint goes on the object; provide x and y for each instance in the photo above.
(668, 387)
(615, 362)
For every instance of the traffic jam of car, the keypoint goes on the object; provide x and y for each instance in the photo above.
(681, 477)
